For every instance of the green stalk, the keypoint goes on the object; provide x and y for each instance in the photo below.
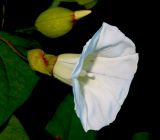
(56, 3)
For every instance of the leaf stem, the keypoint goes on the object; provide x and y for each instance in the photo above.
(13, 48)
(55, 3)
(27, 30)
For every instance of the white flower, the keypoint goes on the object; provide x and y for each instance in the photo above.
(100, 76)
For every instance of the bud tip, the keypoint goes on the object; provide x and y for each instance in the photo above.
(81, 13)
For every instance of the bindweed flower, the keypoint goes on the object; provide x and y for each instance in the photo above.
(100, 76)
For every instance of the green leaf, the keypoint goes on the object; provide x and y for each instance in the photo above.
(90, 4)
(56, 3)
(66, 125)
(83, 2)
(22, 44)
(14, 131)
(16, 77)
(141, 136)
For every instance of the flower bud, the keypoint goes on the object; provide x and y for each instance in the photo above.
(57, 21)
(41, 62)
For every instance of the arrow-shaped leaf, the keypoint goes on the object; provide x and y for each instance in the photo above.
(14, 131)
(16, 77)
(65, 125)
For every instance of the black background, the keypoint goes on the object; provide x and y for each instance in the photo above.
(136, 20)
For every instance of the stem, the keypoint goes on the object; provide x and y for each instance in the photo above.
(13, 48)
(55, 3)
(3, 14)
(26, 30)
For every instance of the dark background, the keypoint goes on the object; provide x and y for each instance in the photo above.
(136, 20)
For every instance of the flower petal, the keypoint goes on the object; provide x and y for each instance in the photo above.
(64, 66)
(102, 77)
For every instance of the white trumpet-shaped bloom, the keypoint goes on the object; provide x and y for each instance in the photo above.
(100, 76)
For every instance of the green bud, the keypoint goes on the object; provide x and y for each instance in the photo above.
(56, 22)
